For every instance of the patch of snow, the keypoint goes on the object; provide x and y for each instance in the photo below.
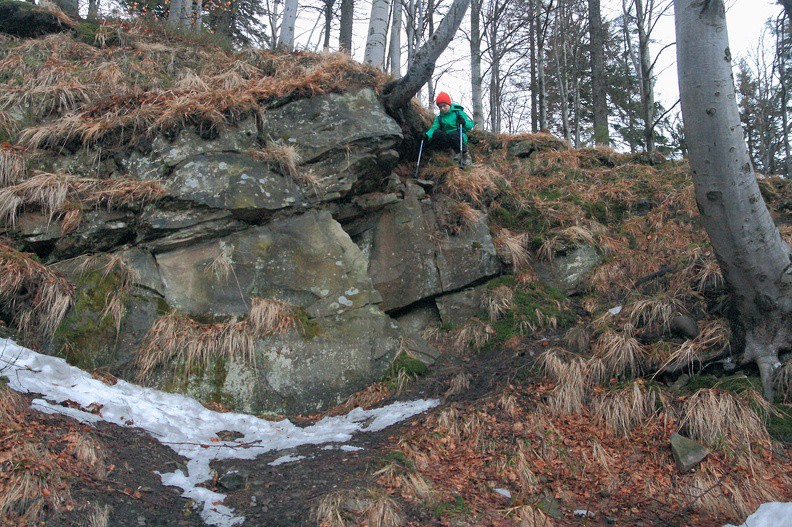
(503, 492)
(615, 310)
(583, 513)
(181, 422)
(350, 448)
(288, 458)
(774, 514)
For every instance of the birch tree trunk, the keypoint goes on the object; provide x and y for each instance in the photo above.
(532, 30)
(599, 99)
(345, 31)
(475, 60)
(399, 93)
(646, 75)
(377, 33)
(395, 42)
(93, 10)
(754, 258)
(286, 38)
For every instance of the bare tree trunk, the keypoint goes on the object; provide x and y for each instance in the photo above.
(475, 60)
(754, 258)
(783, 50)
(198, 15)
(647, 77)
(175, 12)
(395, 42)
(787, 8)
(599, 99)
(561, 70)
(577, 110)
(377, 33)
(532, 28)
(399, 93)
(93, 10)
(345, 31)
(328, 16)
(286, 38)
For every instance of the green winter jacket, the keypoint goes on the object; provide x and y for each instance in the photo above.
(448, 122)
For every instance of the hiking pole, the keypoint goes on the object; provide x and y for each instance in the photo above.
(420, 151)
(461, 155)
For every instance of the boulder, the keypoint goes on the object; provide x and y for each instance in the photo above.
(687, 453)
(24, 20)
(567, 272)
(529, 144)
(345, 140)
(684, 326)
(408, 264)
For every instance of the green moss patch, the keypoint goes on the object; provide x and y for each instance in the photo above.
(87, 336)
(533, 305)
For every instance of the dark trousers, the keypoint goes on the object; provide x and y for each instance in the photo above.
(441, 140)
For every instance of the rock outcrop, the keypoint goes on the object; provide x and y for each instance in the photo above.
(297, 205)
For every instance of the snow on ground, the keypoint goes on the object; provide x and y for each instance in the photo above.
(769, 515)
(181, 422)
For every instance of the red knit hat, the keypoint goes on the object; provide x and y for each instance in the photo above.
(443, 97)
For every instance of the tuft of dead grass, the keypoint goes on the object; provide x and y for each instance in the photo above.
(621, 353)
(269, 316)
(33, 482)
(498, 302)
(177, 340)
(622, 410)
(724, 420)
(656, 313)
(783, 382)
(474, 184)
(48, 296)
(513, 248)
(458, 384)
(12, 164)
(474, 334)
(569, 373)
(56, 195)
(713, 340)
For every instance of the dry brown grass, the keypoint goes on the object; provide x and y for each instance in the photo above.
(624, 409)
(286, 157)
(569, 373)
(460, 383)
(329, 512)
(723, 494)
(656, 313)
(156, 88)
(713, 339)
(188, 346)
(48, 296)
(88, 452)
(621, 353)
(498, 301)
(474, 184)
(783, 383)
(12, 164)
(269, 316)
(474, 334)
(513, 248)
(723, 420)
(33, 482)
(55, 195)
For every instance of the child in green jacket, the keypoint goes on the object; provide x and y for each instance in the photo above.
(444, 132)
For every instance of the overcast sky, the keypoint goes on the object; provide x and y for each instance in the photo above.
(745, 18)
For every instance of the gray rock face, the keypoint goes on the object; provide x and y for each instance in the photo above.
(568, 272)
(234, 182)
(232, 228)
(457, 308)
(412, 259)
(687, 453)
(344, 140)
(307, 261)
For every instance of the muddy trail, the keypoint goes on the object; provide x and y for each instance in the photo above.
(131, 493)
